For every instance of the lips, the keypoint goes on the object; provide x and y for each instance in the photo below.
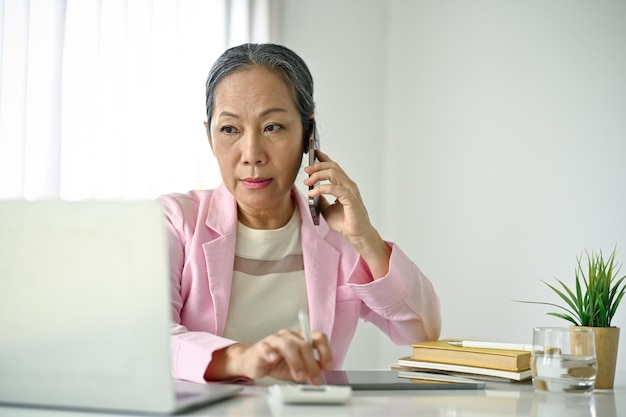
(256, 183)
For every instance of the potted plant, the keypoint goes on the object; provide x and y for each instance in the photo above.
(592, 303)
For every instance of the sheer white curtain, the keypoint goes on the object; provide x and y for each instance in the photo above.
(105, 98)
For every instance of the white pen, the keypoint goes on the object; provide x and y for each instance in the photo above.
(305, 325)
(490, 345)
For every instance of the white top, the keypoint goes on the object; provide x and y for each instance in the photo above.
(268, 272)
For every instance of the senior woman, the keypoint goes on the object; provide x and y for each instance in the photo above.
(246, 257)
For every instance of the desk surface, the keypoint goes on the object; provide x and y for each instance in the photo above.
(498, 399)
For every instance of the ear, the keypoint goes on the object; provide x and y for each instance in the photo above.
(208, 134)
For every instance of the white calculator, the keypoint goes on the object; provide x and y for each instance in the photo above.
(310, 394)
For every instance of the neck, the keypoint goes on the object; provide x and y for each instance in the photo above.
(266, 219)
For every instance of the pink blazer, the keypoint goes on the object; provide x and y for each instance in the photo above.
(202, 228)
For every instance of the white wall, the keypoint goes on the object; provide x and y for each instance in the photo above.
(344, 45)
(488, 139)
(347, 63)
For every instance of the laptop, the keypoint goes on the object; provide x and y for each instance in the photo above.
(85, 310)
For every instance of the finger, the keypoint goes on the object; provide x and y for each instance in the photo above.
(324, 351)
(317, 356)
(304, 364)
(342, 194)
(321, 156)
(312, 369)
(293, 350)
(269, 354)
(324, 203)
(264, 357)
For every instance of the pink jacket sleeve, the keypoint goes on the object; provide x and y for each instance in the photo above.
(191, 349)
(403, 304)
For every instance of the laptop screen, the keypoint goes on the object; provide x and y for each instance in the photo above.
(84, 308)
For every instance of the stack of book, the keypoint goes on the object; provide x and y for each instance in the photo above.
(474, 362)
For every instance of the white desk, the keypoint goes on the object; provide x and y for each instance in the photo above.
(498, 400)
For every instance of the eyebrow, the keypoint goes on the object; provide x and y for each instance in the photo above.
(263, 113)
(273, 110)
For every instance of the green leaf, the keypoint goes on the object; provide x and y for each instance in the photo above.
(564, 317)
(596, 294)
(570, 299)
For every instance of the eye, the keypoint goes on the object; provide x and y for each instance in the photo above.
(274, 127)
(229, 130)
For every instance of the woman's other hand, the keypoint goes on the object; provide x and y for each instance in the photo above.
(284, 355)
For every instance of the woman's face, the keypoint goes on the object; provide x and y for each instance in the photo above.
(256, 136)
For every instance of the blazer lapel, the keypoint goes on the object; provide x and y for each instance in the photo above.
(321, 263)
(220, 259)
(219, 253)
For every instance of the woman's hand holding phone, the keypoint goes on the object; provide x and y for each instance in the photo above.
(347, 215)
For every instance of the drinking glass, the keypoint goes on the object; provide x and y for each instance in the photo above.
(563, 359)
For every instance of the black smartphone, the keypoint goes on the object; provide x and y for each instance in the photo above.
(314, 202)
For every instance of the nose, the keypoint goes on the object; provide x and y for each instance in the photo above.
(252, 149)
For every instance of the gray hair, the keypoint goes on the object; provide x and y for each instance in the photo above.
(277, 58)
